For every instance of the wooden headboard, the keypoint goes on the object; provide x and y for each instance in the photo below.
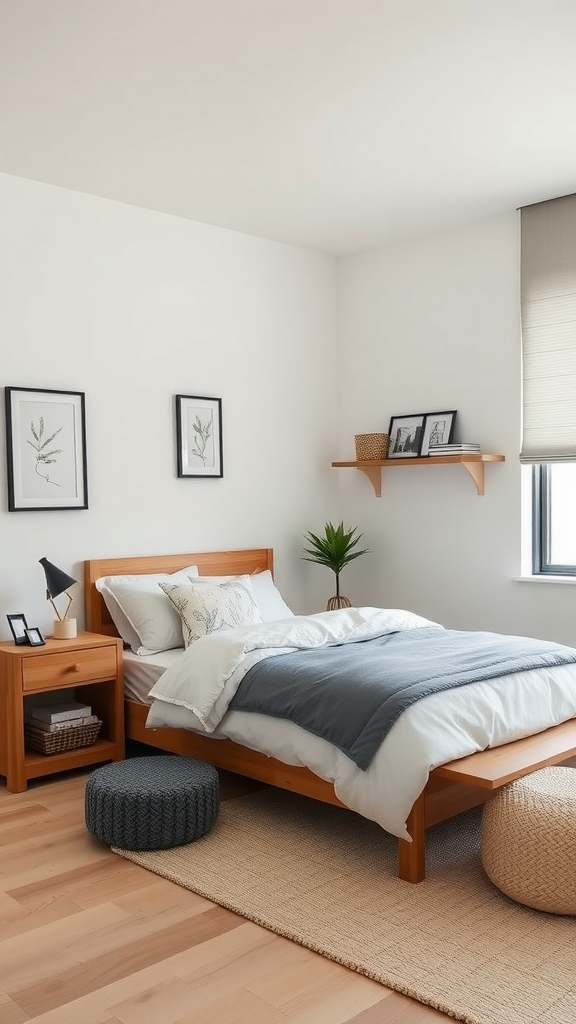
(210, 563)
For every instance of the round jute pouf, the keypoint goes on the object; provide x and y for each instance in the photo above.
(528, 840)
(152, 803)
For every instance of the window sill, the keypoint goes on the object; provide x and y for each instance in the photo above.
(549, 578)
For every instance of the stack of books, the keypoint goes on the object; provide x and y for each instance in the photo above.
(458, 448)
(56, 717)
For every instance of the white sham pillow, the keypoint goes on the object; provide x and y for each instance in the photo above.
(144, 617)
(268, 598)
(209, 608)
(270, 602)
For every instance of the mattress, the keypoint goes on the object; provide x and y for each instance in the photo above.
(140, 673)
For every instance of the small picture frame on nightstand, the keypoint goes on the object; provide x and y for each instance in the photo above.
(18, 625)
(34, 637)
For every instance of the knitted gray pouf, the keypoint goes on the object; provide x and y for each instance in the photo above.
(152, 803)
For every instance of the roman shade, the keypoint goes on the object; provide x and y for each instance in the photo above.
(548, 293)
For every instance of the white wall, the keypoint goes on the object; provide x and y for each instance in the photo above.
(132, 307)
(427, 325)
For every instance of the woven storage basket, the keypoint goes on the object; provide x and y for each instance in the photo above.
(371, 446)
(64, 739)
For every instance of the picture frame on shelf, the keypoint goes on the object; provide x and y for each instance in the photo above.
(438, 429)
(45, 449)
(18, 627)
(199, 436)
(34, 637)
(405, 434)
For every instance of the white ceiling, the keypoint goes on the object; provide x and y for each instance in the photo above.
(332, 124)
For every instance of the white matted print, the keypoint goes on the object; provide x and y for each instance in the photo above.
(438, 429)
(199, 436)
(405, 436)
(45, 449)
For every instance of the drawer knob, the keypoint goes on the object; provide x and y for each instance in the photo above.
(76, 667)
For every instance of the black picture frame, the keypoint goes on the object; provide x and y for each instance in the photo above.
(438, 429)
(34, 637)
(45, 449)
(405, 433)
(199, 436)
(18, 626)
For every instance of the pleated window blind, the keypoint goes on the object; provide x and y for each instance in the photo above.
(548, 292)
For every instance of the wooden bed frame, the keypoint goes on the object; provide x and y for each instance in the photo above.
(451, 788)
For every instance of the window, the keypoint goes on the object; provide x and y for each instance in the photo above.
(548, 280)
(554, 518)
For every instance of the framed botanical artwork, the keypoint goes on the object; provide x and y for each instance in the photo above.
(199, 436)
(45, 450)
(438, 429)
(405, 436)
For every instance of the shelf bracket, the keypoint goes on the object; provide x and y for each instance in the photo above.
(476, 470)
(374, 474)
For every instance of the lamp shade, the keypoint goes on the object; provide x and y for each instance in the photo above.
(57, 581)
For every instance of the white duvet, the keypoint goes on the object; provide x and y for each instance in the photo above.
(195, 692)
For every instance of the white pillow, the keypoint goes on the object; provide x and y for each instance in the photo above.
(270, 602)
(144, 617)
(268, 598)
(209, 608)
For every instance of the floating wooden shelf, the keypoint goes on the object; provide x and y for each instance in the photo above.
(473, 463)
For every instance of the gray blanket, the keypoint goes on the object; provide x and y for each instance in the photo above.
(352, 694)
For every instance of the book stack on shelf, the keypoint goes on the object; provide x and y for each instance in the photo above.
(55, 728)
(458, 448)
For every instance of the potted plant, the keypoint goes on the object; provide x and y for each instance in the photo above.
(335, 548)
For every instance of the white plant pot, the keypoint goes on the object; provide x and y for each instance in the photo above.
(65, 629)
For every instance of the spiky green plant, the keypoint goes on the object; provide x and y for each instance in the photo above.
(334, 549)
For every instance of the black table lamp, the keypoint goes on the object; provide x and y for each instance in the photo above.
(58, 582)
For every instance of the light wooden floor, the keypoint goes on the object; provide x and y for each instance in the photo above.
(89, 938)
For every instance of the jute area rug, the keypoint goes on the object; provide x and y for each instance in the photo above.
(326, 878)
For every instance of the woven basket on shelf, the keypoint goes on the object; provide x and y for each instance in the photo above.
(64, 739)
(371, 446)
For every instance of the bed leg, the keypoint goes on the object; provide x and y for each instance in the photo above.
(412, 856)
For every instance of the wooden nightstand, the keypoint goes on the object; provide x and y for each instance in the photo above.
(92, 665)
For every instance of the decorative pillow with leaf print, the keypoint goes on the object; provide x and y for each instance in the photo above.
(205, 608)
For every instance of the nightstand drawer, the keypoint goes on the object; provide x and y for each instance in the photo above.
(48, 671)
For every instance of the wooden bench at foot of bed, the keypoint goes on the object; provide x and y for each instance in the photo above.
(451, 789)
(472, 780)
